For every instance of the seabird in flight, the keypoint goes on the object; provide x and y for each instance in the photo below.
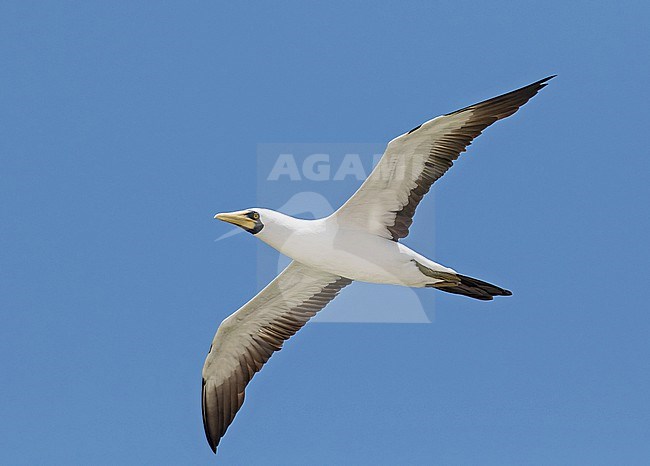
(360, 241)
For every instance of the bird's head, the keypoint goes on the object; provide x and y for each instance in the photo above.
(250, 220)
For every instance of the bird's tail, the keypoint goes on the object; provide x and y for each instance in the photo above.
(468, 286)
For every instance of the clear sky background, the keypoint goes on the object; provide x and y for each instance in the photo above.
(124, 126)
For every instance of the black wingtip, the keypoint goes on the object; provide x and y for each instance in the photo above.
(517, 98)
(544, 82)
(537, 85)
(206, 427)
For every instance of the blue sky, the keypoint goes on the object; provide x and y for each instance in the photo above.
(126, 125)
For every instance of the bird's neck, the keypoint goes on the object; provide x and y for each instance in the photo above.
(288, 234)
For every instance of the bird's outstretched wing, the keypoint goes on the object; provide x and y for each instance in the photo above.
(386, 202)
(247, 339)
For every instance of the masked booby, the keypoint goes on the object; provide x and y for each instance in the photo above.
(360, 241)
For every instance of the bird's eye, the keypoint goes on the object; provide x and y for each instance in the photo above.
(256, 216)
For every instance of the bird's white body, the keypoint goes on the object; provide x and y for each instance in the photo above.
(351, 253)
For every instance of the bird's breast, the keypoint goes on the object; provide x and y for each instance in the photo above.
(352, 254)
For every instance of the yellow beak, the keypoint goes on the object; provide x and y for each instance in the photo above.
(237, 218)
